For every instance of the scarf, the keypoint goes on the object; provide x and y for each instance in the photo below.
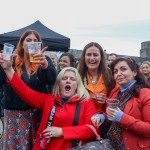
(115, 130)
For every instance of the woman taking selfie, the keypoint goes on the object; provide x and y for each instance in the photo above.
(68, 92)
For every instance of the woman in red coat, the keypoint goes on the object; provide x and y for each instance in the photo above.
(68, 91)
(130, 128)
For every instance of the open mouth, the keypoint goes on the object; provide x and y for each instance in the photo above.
(67, 87)
(92, 62)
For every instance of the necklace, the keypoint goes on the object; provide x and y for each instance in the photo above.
(93, 79)
(93, 82)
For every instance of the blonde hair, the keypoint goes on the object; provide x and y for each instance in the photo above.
(81, 92)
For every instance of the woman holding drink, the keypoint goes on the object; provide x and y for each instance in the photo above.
(95, 74)
(130, 128)
(97, 78)
(21, 120)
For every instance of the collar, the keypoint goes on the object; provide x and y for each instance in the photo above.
(98, 88)
(58, 99)
(128, 86)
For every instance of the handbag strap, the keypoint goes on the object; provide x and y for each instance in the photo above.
(75, 121)
(50, 119)
(51, 116)
(76, 116)
(98, 137)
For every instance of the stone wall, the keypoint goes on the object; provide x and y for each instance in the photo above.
(139, 60)
(145, 49)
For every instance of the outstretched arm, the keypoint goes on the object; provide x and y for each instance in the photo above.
(33, 98)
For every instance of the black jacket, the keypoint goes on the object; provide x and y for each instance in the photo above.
(41, 82)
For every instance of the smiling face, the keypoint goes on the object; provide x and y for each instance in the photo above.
(64, 62)
(146, 69)
(92, 58)
(123, 73)
(68, 84)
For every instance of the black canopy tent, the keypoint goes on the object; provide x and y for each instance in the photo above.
(54, 41)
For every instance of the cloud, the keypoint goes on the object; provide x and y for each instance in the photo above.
(132, 31)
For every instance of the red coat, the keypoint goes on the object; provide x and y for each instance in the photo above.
(63, 119)
(135, 122)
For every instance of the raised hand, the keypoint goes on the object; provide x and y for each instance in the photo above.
(5, 64)
(43, 62)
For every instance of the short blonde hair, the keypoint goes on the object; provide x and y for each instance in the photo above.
(81, 92)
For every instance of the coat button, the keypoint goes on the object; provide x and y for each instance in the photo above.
(128, 148)
(125, 138)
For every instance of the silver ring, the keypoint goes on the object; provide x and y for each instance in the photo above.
(50, 133)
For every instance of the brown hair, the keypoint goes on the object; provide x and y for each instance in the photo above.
(71, 58)
(141, 82)
(102, 69)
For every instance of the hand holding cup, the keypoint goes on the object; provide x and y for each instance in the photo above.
(8, 49)
(99, 97)
(6, 64)
(112, 108)
(34, 48)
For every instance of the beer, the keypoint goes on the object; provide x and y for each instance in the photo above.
(34, 48)
(32, 59)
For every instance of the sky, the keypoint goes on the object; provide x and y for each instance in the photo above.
(119, 26)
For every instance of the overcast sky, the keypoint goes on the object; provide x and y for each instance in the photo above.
(117, 25)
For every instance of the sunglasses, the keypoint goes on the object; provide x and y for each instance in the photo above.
(129, 58)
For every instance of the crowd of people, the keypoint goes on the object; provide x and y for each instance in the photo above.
(55, 104)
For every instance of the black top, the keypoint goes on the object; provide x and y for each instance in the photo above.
(41, 81)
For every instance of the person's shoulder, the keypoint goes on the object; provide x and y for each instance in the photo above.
(88, 103)
(86, 100)
(47, 58)
(144, 94)
(143, 90)
(116, 89)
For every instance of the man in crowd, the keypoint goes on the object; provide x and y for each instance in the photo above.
(111, 58)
